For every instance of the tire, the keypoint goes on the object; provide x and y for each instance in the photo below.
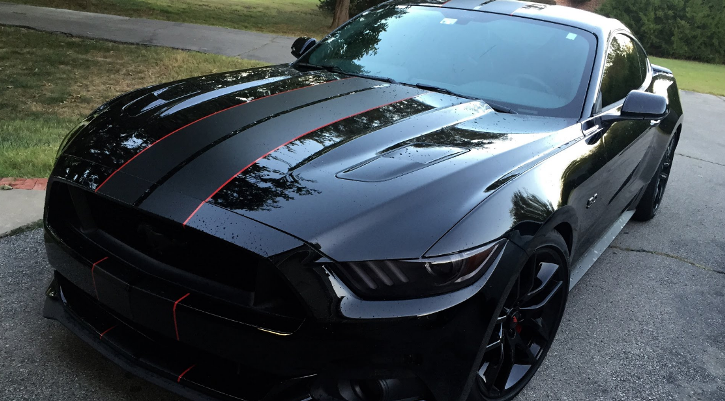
(527, 323)
(649, 205)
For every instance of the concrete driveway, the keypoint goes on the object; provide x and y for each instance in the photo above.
(646, 322)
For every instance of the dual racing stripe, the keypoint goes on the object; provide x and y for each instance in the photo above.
(190, 188)
(155, 161)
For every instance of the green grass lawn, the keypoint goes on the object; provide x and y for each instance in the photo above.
(49, 82)
(283, 17)
(696, 77)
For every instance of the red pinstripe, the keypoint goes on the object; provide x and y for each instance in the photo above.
(107, 330)
(176, 327)
(286, 143)
(93, 276)
(194, 122)
(178, 380)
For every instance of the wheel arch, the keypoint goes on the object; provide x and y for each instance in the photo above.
(564, 221)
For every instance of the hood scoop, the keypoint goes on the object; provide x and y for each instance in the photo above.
(400, 161)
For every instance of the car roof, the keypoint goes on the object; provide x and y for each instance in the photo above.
(588, 21)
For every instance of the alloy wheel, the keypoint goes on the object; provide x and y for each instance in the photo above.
(526, 326)
(664, 174)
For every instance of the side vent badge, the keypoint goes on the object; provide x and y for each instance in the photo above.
(592, 200)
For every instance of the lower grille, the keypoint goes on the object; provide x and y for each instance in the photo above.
(172, 362)
(237, 283)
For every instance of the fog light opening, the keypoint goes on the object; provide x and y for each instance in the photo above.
(381, 390)
(368, 390)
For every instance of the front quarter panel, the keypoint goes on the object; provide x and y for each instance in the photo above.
(552, 192)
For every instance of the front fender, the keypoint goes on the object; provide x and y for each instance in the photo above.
(550, 194)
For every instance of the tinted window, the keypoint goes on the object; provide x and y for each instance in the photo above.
(622, 72)
(533, 67)
(643, 65)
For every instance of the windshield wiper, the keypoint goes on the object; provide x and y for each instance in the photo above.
(338, 70)
(495, 106)
(445, 91)
(500, 108)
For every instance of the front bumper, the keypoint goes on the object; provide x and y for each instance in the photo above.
(132, 350)
(176, 335)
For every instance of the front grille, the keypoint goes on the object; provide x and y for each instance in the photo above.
(170, 243)
(96, 227)
(217, 376)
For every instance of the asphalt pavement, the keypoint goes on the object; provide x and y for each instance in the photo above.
(273, 49)
(645, 323)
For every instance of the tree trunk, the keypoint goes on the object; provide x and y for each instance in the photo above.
(342, 13)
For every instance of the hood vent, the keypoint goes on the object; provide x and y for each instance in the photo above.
(400, 161)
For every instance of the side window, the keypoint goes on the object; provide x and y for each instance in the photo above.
(643, 64)
(622, 72)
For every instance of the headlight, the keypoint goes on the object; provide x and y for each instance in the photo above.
(407, 279)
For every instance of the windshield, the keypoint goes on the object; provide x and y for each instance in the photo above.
(529, 66)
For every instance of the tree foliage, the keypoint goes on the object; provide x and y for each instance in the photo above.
(682, 29)
(356, 6)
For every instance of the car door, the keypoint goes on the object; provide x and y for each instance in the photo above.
(627, 142)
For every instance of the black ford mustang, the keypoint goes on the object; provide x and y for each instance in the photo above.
(398, 215)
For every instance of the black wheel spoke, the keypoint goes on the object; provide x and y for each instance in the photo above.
(537, 329)
(490, 370)
(493, 346)
(546, 272)
(535, 311)
(523, 354)
(498, 342)
(507, 365)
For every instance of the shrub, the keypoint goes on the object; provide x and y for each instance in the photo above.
(682, 29)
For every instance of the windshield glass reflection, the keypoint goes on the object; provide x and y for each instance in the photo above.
(532, 67)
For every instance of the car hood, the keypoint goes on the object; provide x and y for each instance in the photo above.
(359, 168)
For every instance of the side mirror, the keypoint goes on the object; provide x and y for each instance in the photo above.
(640, 105)
(644, 106)
(301, 45)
